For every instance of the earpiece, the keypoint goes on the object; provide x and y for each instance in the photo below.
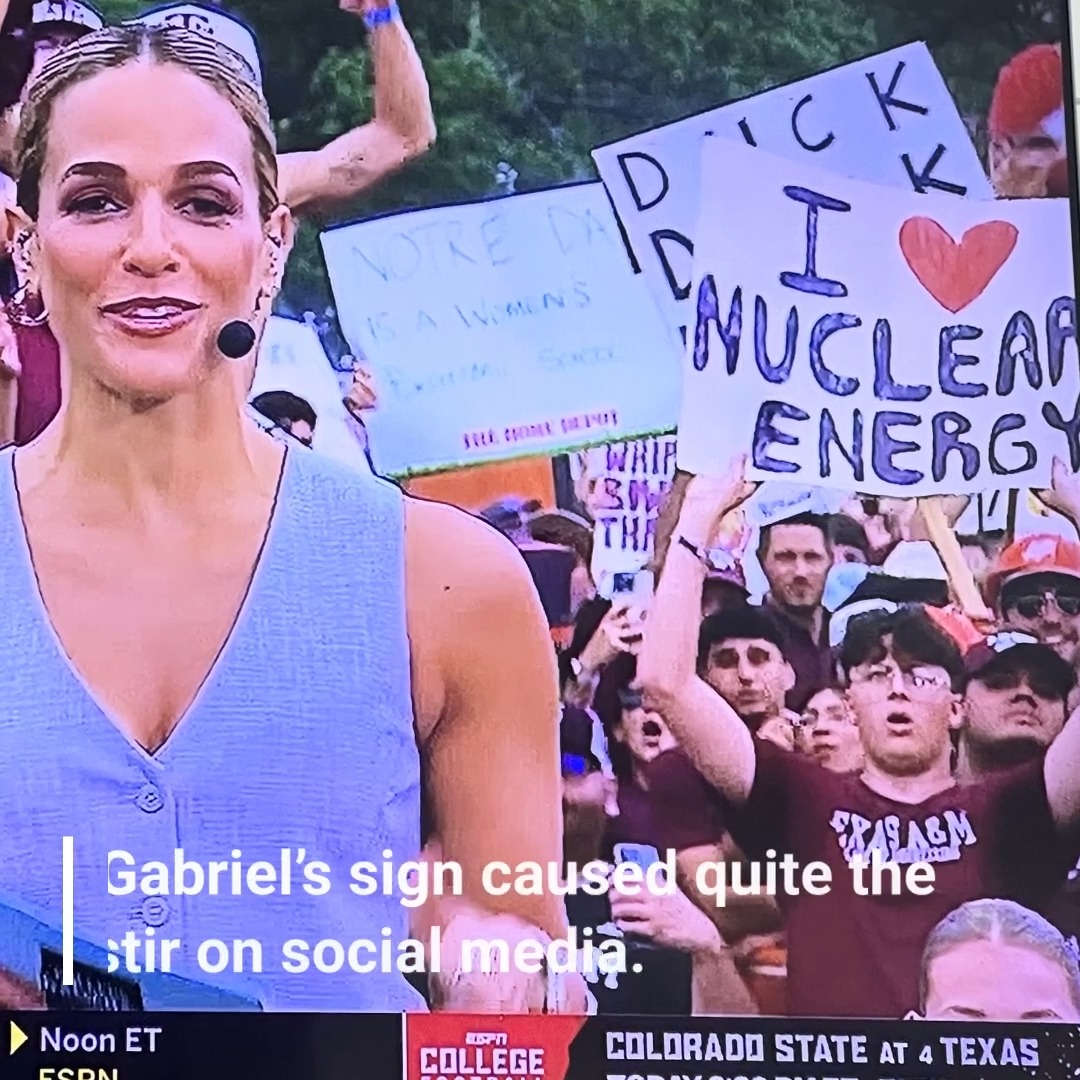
(236, 339)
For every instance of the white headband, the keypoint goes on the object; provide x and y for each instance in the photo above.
(68, 13)
(222, 28)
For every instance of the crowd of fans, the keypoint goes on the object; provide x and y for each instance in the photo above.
(854, 712)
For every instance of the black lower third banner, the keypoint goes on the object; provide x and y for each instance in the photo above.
(294, 1046)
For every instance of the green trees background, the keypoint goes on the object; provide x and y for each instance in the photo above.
(524, 89)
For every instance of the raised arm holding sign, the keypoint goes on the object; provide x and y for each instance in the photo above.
(713, 735)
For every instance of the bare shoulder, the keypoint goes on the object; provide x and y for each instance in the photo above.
(470, 601)
(452, 557)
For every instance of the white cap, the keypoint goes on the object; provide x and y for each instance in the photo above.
(219, 25)
(915, 559)
(1054, 125)
(72, 13)
(838, 624)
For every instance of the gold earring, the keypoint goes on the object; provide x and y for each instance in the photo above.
(22, 306)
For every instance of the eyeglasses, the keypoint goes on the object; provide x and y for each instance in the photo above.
(881, 675)
(1032, 605)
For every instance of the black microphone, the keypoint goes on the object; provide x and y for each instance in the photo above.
(236, 339)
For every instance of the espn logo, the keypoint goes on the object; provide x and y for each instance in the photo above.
(485, 1038)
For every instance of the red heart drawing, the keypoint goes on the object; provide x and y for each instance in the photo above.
(956, 274)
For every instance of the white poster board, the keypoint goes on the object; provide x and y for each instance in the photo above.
(292, 358)
(872, 339)
(501, 329)
(888, 119)
(629, 481)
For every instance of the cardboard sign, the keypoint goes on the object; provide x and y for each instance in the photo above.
(988, 512)
(888, 119)
(628, 482)
(866, 338)
(775, 502)
(501, 329)
(291, 358)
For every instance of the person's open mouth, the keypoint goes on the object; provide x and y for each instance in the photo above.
(900, 724)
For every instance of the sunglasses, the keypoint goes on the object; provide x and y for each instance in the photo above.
(1032, 605)
(631, 699)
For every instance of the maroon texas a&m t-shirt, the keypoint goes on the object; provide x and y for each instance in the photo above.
(677, 809)
(858, 956)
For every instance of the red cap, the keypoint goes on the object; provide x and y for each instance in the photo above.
(1040, 554)
(1014, 646)
(1030, 87)
(957, 625)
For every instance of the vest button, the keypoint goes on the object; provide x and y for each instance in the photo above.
(149, 799)
(155, 911)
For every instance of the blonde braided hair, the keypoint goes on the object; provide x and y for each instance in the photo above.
(116, 46)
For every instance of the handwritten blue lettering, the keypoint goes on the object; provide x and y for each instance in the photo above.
(1069, 428)
(1003, 425)
(774, 373)
(884, 447)
(885, 387)
(808, 281)
(946, 428)
(829, 436)
(828, 380)
(949, 360)
(1058, 333)
(766, 432)
(708, 311)
(1018, 343)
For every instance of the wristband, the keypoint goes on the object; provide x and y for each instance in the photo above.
(381, 16)
(701, 556)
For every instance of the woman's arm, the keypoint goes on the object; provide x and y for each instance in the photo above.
(487, 704)
(486, 701)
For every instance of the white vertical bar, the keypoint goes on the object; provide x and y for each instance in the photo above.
(68, 911)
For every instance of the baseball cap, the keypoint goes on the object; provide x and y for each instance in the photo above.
(222, 26)
(912, 574)
(577, 742)
(838, 624)
(510, 515)
(562, 528)
(69, 14)
(1043, 553)
(841, 581)
(1015, 648)
(724, 566)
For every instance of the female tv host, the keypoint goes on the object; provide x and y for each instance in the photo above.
(215, 644)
